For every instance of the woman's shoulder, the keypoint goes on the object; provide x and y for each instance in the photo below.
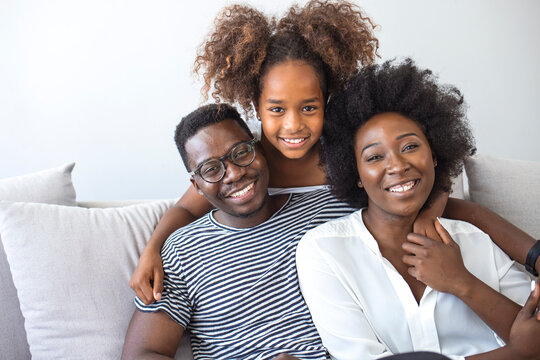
(459, 227)
(350, 225)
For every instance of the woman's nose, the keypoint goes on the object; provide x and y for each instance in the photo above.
(397, 163)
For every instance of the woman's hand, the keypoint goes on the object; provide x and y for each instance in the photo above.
(437, 264)
(525, 331)
(147, 279)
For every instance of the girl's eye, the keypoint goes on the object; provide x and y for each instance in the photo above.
(308, 108)
(277, 109)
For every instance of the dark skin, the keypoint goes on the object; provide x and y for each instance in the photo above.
(499, 229)
(152, 336)
(285, 107)
(156, 335)
(440, 265)
(396, 168)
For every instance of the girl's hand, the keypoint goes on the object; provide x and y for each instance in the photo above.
(147, 279)
(423, 224)
(525, 331)
(437, 264)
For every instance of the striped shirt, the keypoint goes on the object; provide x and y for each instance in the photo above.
(236, 290)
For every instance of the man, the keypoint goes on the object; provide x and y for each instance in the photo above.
(230, 277)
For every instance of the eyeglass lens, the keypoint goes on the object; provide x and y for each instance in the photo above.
(241, 155)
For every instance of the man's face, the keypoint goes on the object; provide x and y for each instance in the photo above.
(243, 191)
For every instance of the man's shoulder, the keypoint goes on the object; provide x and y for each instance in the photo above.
(185, 235)
(316, 207)
(320, 197)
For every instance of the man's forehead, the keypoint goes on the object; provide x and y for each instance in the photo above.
(214, 141)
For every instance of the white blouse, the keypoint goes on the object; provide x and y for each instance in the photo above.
(364, 309)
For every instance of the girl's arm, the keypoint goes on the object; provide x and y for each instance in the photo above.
(423, 224)
(147, 279)
(515, 242)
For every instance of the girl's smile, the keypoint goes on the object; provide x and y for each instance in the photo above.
(291, 108)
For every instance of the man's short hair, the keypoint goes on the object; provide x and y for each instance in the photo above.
(202, 117)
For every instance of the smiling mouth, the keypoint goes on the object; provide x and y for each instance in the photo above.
(401, 188)
(294, 141)
(244, 191)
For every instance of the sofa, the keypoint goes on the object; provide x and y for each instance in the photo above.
(65, 265)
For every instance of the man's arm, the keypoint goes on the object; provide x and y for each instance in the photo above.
(151, 335)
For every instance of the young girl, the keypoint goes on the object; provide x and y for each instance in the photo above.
(392, 139)
(285, 71)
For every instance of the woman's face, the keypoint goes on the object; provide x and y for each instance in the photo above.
(291, 108)
(395, 164)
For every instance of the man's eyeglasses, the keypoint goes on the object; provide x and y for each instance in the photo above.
(213, 170)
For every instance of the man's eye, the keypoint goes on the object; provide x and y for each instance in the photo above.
(206, 170)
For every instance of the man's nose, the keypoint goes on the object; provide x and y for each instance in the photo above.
(233, 172)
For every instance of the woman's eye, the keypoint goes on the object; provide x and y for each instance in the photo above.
(410, 147)
(373, 158)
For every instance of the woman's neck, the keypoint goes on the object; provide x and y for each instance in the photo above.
(285, 172)
(389, 230)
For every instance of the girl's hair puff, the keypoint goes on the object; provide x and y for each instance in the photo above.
(335, 37)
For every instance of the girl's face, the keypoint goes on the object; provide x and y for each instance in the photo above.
(395, 164)
(291, 108)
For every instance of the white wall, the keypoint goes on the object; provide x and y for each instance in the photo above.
(104, 82)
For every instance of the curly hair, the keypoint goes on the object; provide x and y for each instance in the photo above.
(200, 118)
(335, 37)
(403, 88)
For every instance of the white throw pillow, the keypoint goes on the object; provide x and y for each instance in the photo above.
(52, 186)
(71, 267)
(508, 187)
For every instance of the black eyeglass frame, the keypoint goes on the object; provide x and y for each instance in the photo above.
(222, 161)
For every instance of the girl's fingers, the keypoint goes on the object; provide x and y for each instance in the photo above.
(445, 236)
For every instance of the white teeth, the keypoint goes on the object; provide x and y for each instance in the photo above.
(403, 187)
(294, 141)
(242, 192)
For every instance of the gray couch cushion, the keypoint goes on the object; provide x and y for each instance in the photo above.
(507, 187)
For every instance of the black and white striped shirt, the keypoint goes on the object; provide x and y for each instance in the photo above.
(236, 290)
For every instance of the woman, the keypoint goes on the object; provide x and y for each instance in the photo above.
(393, 139)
